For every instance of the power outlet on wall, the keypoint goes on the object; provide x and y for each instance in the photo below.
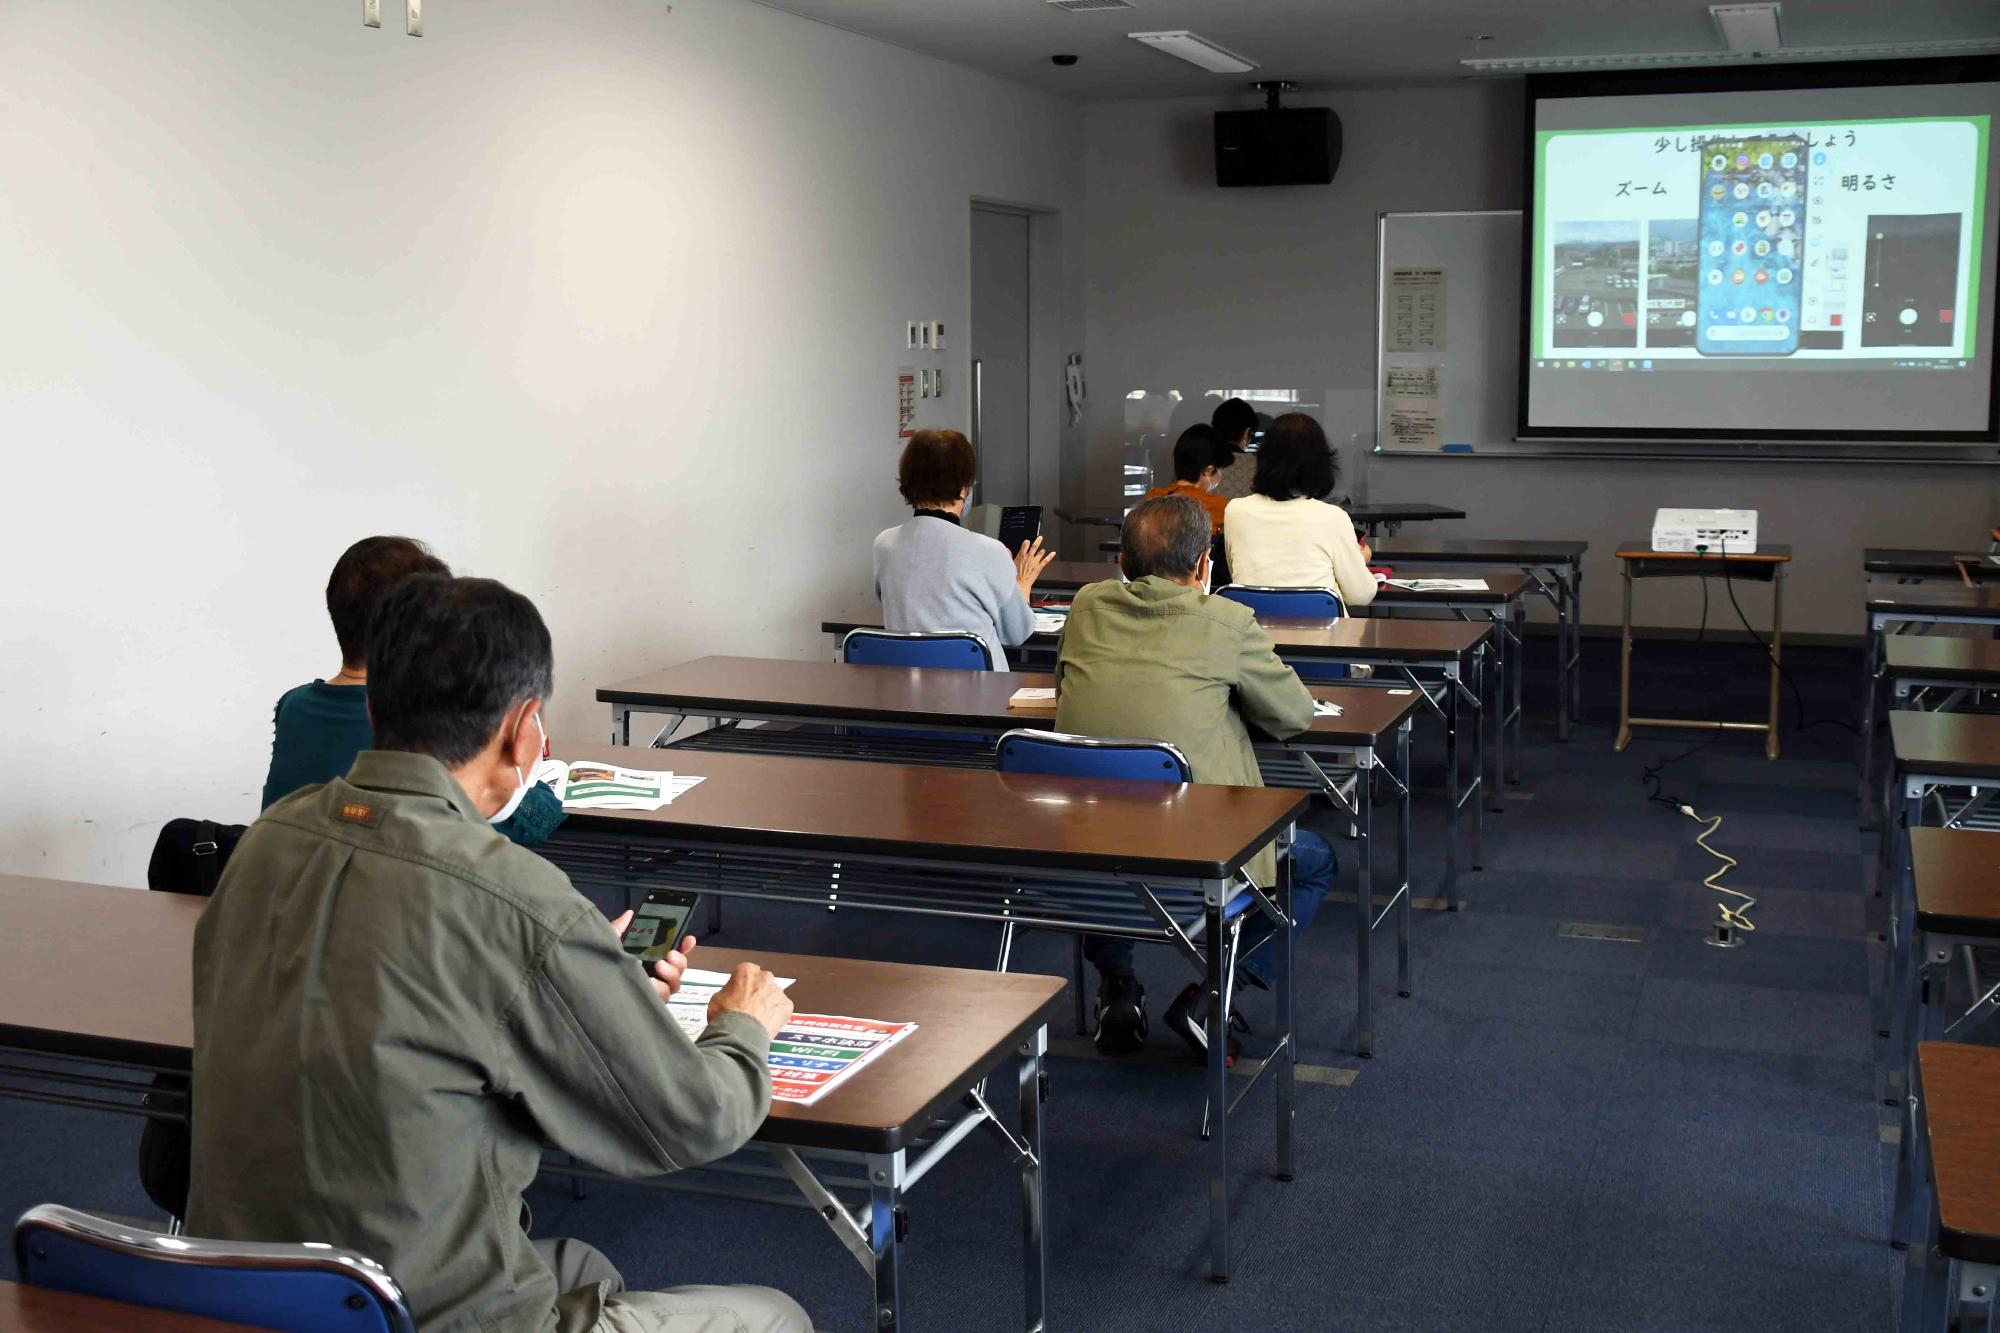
(912, 336)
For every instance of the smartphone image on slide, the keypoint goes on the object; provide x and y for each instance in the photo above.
(1910, 285)
(1596, 287)
(1752, 240)
(659, 925)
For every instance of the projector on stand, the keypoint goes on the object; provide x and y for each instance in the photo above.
(1718, 531)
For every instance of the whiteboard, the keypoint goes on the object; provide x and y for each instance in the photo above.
(1478, 364)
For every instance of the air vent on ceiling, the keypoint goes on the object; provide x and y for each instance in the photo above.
(1087, 6)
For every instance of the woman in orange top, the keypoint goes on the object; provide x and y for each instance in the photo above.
(1199, 457)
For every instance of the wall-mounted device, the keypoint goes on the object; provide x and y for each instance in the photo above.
(1718, 531)
(1278, 145)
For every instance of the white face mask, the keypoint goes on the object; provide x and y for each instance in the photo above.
(506, 811)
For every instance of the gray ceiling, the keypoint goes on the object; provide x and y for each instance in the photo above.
(1344, 43)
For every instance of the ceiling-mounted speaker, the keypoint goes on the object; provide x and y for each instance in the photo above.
(1283, 146)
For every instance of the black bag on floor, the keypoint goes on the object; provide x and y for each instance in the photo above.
(187, 858)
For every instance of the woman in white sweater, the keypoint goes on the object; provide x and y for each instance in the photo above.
(1284, 535)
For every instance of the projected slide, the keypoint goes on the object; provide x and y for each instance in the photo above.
(1752, 238)
(1826, 242)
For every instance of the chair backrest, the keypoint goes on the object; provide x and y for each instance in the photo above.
(1305, 603)
(1062, 755)
(949, 648)
(306, 1288)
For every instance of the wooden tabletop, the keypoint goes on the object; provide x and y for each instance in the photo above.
(1151, 830)
(1069, 575)
(1961, 1092)
(1886, 595)
(1909, 561)
(1411, 512)
(1348, 639)
(1941, 657)
(967, 1022)
(123, 982)
(44, 1310)
(1957, 877)
(937, 697)
(1471, 550)
(1764, 553)
(1945, 745)
(94, 971)
(1502, 586)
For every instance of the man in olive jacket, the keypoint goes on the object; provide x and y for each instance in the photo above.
(1158, 658)
(396, 1008)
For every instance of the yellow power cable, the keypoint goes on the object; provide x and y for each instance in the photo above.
(1734, 916)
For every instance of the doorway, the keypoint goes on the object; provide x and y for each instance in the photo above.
(1000, 337)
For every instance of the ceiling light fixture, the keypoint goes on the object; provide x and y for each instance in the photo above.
(1664, 59)
(1747, 28)
(1196, 50)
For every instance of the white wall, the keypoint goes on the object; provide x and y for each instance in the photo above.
(601, 298)
(1194, 287)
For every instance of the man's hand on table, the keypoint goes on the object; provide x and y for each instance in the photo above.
(753, 991)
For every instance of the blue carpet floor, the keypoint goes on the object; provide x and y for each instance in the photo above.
(1555, 1133)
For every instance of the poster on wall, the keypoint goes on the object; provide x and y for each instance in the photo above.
(906, 402)
(1416, 310)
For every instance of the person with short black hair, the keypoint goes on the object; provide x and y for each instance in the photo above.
(932, 575)
(1287, 535)
(396, 1009)
(1159, 659)
(1236, 423)
(317, 728)
(1200, 455)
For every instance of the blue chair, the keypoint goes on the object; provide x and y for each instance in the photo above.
(954, 649)
(303, 1288)
(1301, 603)
(950, 648)
(1060, 754)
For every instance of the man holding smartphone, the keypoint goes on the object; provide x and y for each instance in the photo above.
(396, 1009)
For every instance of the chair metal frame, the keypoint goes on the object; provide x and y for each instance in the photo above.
(161, 1248)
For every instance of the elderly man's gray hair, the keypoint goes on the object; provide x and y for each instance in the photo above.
(1165, 536)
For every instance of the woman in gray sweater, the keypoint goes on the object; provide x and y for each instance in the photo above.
(933, 575)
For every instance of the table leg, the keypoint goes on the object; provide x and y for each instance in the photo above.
(1905, 965)
(1625, 670)
(1576, 641)
(1871, 682)
(1561, 583)
(1287, 978)
(1034, 1233)
(1494, 721)
(1364, 919)
(1777, 654)
(1452, 813)
(1919, 1279)
(1479, 760)
(621, 724)
(885, 1235)
(1218, 1099)
(1404, 909)
(1518, 653)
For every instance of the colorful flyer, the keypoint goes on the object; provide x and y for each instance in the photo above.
(816, 1053)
